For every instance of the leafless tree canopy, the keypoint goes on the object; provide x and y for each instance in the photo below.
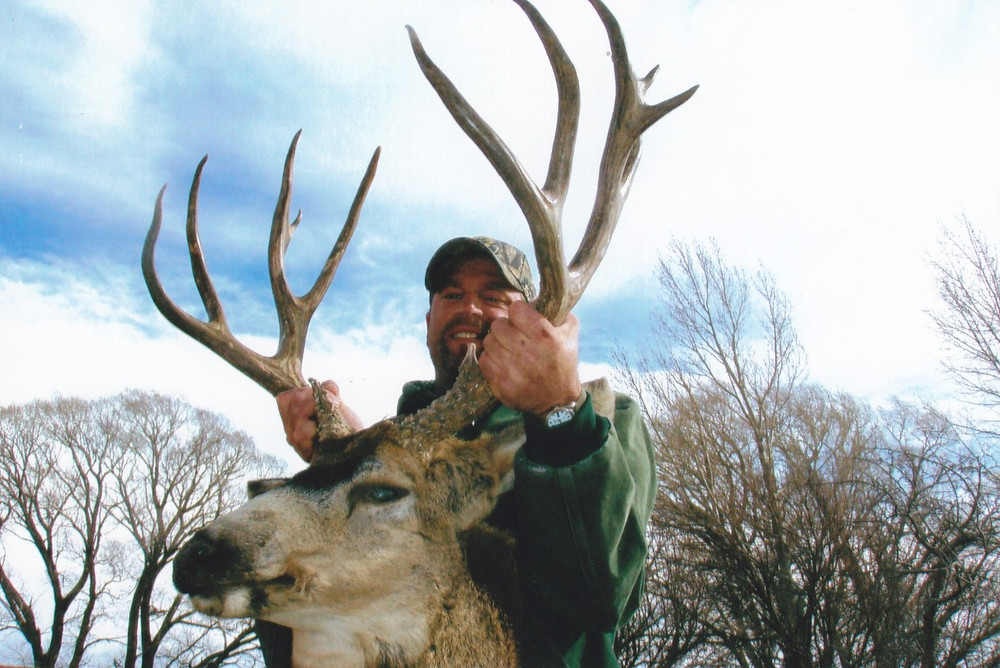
(968, 317)
(95, 499)
(796, 526)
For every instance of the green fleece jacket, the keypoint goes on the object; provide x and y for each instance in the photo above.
(582, 497)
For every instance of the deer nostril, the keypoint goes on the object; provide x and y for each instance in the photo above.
(200, 552)
(200, 562)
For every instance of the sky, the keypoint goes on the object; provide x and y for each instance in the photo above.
(828, 144)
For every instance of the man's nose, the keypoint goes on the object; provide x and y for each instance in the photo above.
(472, 305)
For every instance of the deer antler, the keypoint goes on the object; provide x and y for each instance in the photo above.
(561, 285)
(283, 370)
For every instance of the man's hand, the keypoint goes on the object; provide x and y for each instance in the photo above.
(531, 365)
(298, 415)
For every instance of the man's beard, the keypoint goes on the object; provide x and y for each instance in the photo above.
(446, 362)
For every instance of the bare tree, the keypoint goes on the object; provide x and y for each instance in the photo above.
(669, 626)
(968, 285)
(718, 393)
(55, 466)
(104, 492)
(935, 591)
(179, 468)
(797, 526)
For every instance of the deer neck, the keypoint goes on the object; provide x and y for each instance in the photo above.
(470, 630)
(459, 628)
(398, 637)
(400, 630)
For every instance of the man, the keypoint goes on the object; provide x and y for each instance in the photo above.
(583, 483)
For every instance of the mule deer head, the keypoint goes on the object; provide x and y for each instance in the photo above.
(367, 553)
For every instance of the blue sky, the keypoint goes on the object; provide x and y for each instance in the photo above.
(828, 143)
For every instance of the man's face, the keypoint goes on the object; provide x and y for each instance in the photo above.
(461, 314)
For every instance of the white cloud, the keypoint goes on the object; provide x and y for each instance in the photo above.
(827, 142)
(90, 71)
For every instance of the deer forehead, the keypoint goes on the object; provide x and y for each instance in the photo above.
(375, 477)
(370, 473)
(380, 464)
(366, 498)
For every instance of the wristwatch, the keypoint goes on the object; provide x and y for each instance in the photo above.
(559, 415)
(562, 414)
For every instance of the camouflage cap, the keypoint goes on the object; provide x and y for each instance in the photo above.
(513, 264)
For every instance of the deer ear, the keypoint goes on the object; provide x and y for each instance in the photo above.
(467, 477)
(258, 487)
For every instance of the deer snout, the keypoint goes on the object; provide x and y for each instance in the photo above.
(205, 562)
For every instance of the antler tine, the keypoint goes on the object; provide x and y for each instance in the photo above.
(283, 370)
(201, 278)
(295, 313)
(542, 207)
(630, 118)
(214, 333)
(568, 113)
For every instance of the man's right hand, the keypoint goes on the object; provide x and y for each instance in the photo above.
(298, 416)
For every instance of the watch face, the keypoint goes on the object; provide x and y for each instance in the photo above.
(558, 416)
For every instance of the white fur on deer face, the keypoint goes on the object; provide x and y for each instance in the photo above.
(363, 542)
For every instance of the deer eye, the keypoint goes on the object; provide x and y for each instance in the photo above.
(381, 494)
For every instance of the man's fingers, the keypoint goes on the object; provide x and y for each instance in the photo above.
(524, 316)
(333, 394)
(301, 439)
(530, 364)
(331, 387)
(506, 335)
(297, 409)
